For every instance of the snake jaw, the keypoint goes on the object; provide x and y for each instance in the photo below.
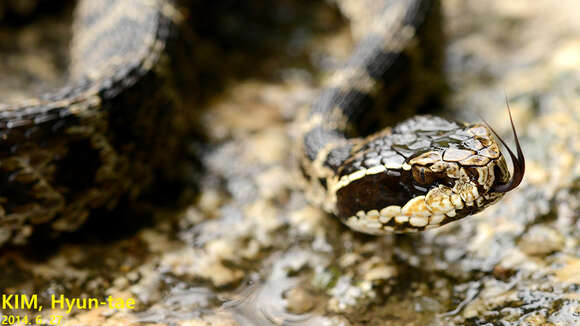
(518, 161)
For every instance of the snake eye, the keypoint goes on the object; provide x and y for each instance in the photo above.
(519, 162)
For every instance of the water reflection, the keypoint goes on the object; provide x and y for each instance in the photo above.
(264, 302)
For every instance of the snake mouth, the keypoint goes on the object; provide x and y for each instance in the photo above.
(519, 161)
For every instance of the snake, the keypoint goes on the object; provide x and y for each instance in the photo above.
(107, 133)
(420, 174)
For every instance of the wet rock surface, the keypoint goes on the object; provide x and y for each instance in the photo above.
(246, 248)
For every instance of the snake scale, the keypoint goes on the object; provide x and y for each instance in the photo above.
(104, 135)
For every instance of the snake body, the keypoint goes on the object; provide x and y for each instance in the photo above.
(420, 174)
(104, 135)
(83, 146)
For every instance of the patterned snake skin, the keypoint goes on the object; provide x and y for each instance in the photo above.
(420, 174)
(81, 147)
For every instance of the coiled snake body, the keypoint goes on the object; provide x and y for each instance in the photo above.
(83, 146)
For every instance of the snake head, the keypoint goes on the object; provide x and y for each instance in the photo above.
(423, 173)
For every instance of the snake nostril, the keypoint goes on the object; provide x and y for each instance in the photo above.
(423, 175)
